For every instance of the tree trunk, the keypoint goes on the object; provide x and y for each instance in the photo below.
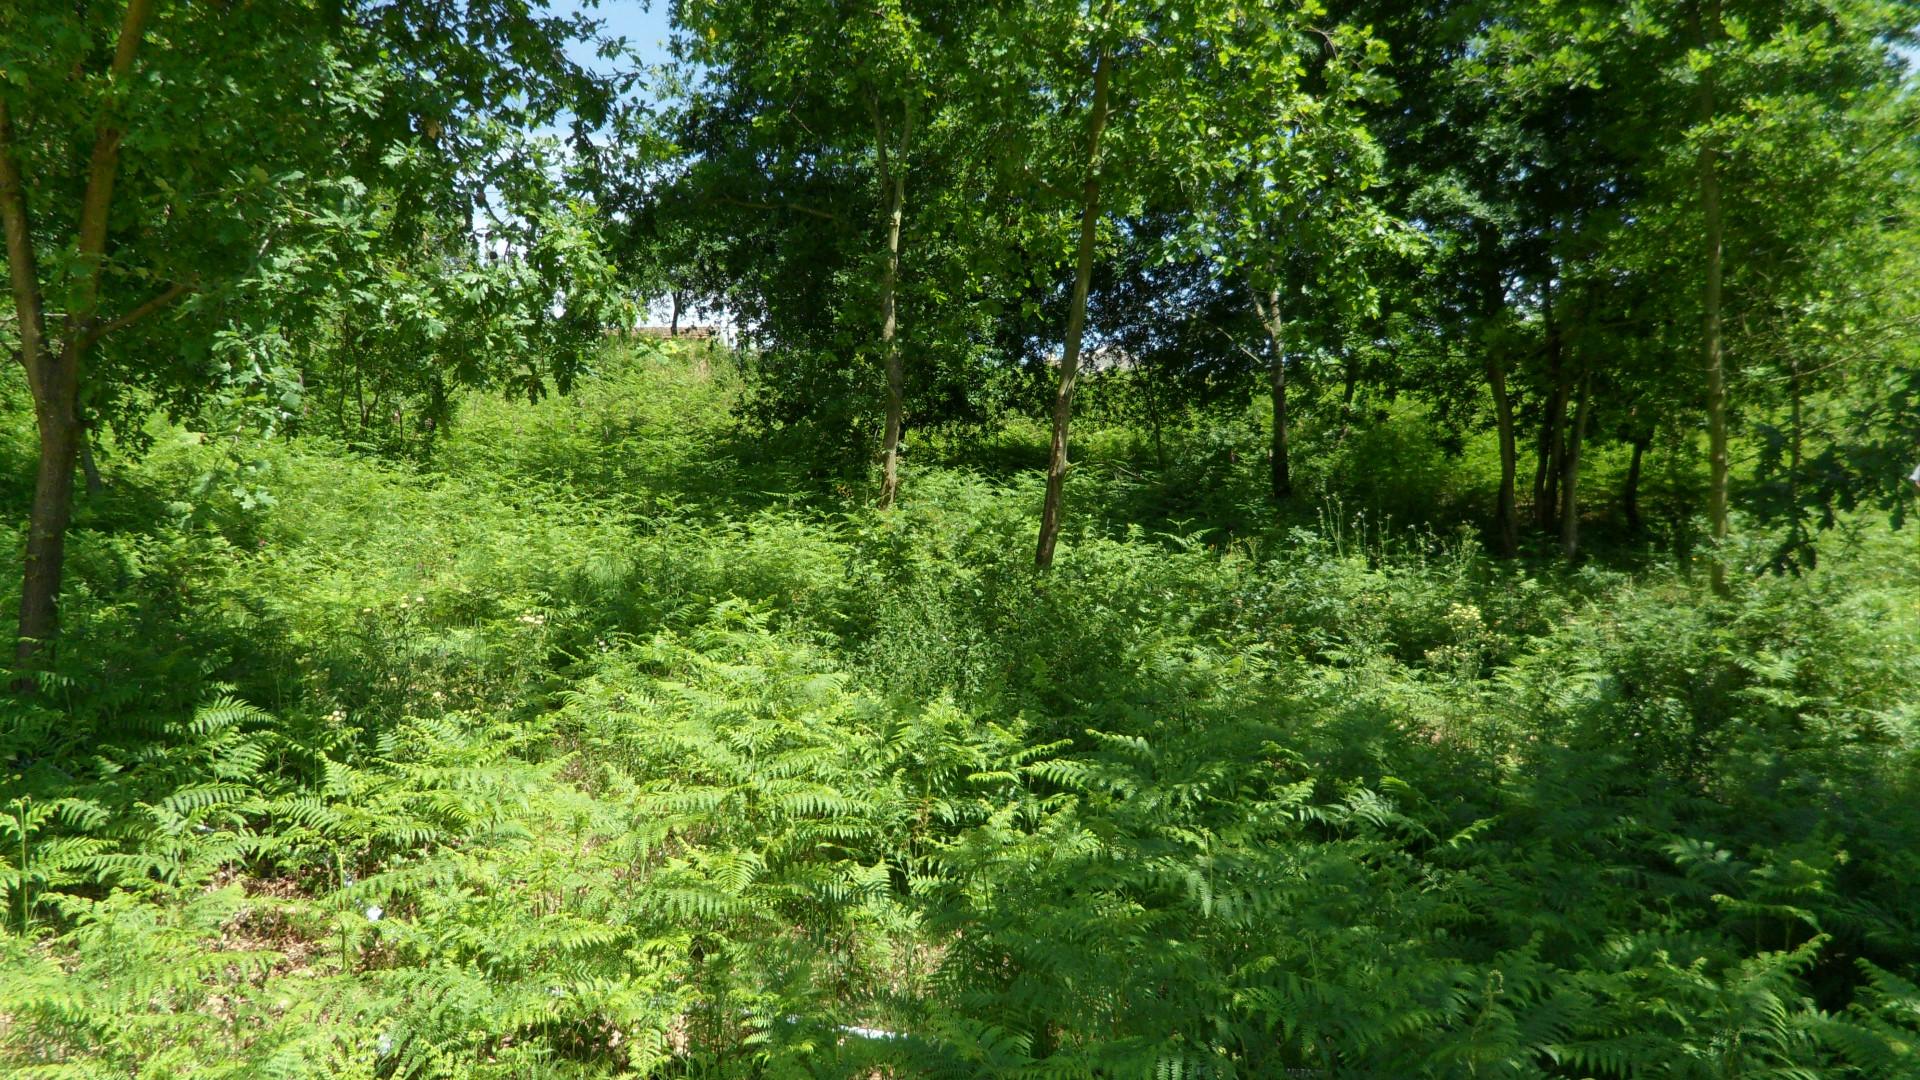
(47, 519)
(1273, 319)
(88, 468)
(53, 371)
(1506, 515)
(1541, 454)
(1712, 303)
(1154, 405)
(895, 179)
(1630, 492)
(1570, 472)
(47, 530)
(1546, 473)
(1553, 442)
(1492, 301)
(1346, 397)
(1076, 320)
(673, 321)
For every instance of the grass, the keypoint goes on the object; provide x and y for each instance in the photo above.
(613, 740)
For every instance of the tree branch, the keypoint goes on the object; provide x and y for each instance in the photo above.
(104, 165)
(822, 214)
(169, 295)
(1235, 342)
(23, 270)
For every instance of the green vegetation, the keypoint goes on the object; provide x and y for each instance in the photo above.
(606, 743)
(1212, 539)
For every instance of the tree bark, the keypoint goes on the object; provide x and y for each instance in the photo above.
(47, 522)
(88, 468)
(1506, 514)
(1542, 453)
(1346, 397)
(673, 321)
(23, 267)
(1570, 472)
(1492, 301)
(1546, 473)
(1630, 491)
(1273, 319)
(893, 174)
(1076, 319)
(53, 370)
(1553, 442)
(1712, 303)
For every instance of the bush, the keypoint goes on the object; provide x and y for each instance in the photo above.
(592, 749)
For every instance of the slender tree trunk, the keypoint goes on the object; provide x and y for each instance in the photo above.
(1076, 318)
(1492, 300)
(1630, 492)
(1546, 489)
(1570, 472)
(88, 468)
(53, 369)
(1346, 398)
(1553, 440)
(47, 519)
(894, 176)
(1542, 454)
(1506, 514)
(673, 321)
(1712, 304)
(1154, 405)
(1273, 319)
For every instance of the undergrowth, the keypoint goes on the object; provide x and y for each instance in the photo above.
(609, 742)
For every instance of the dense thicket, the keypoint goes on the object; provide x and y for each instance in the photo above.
(1564, 224)
(1344, 540)
(252, 213)
(589, 752)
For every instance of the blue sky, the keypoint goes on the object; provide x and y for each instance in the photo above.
(643, 24)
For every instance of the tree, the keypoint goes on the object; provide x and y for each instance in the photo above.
(823, 98)
(1096, 119)
(1284, 200)
(1098, 112)
(160, 161)
(1756, 135)
(1488, 147)
(53, 364)
(1791, 106)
